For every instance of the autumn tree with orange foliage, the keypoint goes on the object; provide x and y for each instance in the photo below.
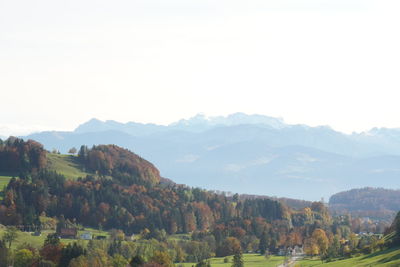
(317, 244)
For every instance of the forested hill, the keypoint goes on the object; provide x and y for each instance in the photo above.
(119, 163)
(123, 191)
(367, 202)
(17, 156)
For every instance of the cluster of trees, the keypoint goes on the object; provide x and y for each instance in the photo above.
(330, 246)
(96, 253)
(119, 163)
(394, 231)
(52, 253)
(366, 225)
(115, 252)
(21, 158)
(108, 203)
(378, 204)
(126, 194)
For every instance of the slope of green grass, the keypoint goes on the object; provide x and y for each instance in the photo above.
(66, 165)
(250, 260)
(25, 237)
(4, 179)
(38, 241)
(387, 258)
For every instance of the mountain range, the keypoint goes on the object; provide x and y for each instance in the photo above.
(251, 154)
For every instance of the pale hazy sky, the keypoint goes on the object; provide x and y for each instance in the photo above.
(317, 62)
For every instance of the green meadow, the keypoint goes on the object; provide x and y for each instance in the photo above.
(38, 241)
(4, 179)
(386, 258)
(250, 260)
(66, 165)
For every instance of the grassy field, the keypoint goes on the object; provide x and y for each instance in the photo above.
(38, 241)
(179, 237)
(4, 179)
(387, 258)
(250, 260)
(66, 165)
(35, 241)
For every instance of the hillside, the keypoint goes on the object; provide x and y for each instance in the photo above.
(385, 258)
(111, 186)
(375, 203)
(71, 167)
(250, 154)
(4, 179)
(67, 165)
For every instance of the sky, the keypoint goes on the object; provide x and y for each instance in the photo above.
(315, 62)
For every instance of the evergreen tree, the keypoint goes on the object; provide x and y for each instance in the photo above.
(263, 243)
(115, 247)
(10, 235)
(136, 261)
(238, 260)
(396, 228)
(52, 239)
(70, 252)
(4, 254)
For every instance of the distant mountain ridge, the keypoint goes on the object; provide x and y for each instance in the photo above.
(197, 123)
(377, 141)
(251, 154)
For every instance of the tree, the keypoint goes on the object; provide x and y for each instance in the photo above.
(46, 263)
(238, 260)
(81, 261)
(10, 235)
(118, 261)
(52, 248)
(98, 257)
(70, 252)
(83, 153)
(310, 247)
(114, 247)
(353, 241)
(72, 151)
(162, 258)
(117, 235)
(230, 246)
(52, 239)
(320, 239)
(136, 261)
(160, 235)
(263, 243)
(180, 254)
(334, 248)
(396, 227)
(23, 258)
(4, 254)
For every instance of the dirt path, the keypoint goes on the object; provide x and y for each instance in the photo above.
(291, 262)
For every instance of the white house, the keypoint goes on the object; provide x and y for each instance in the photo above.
(86, 236)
